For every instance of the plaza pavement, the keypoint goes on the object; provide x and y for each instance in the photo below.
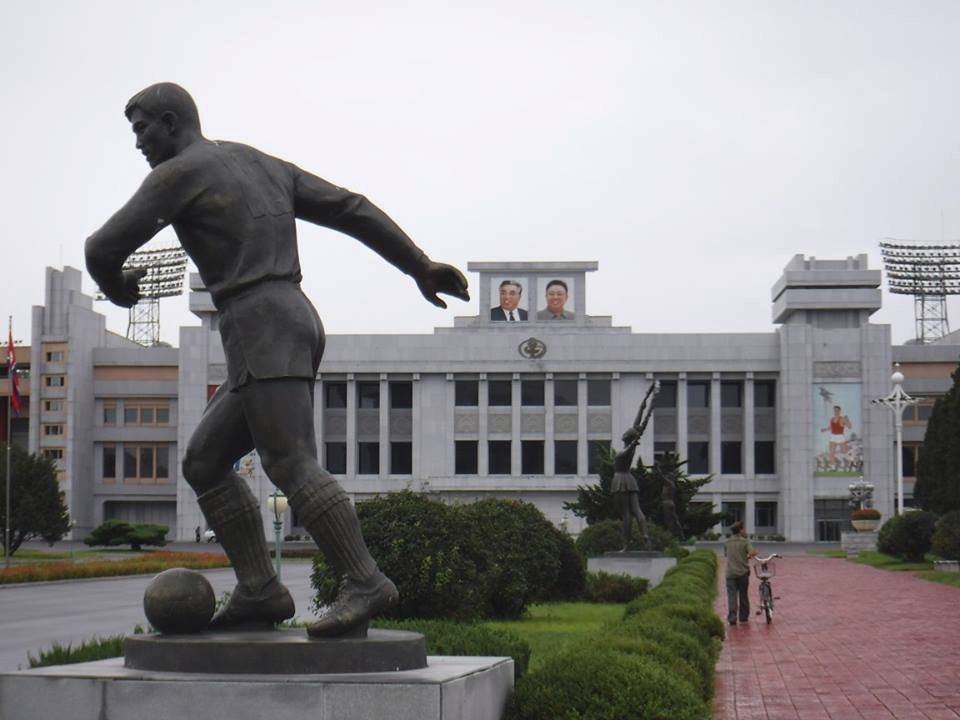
(847, 642)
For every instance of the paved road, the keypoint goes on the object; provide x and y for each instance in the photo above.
(34, 616)
(848, 642)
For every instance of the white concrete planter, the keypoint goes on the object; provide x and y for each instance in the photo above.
(865, 525)
(946, 565)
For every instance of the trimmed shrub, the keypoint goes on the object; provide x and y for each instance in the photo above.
(111, 533)
(946, 536)
(591, 682)
(663, 655)
(674, 636)
(604, 536)
(446, 637)
(423, 546)
(572, 577)
(604, 587)
(909, 536)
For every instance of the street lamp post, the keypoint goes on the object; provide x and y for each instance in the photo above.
(898, 401)
(277, 502)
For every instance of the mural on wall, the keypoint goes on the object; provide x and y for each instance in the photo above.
(556, 298)
(838, 429)
(509, 303)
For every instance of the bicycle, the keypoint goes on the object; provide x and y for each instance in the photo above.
(764, 568)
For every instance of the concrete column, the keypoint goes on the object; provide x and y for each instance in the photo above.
(715, 454)
(549, 465)
(749, 468)
(483, 432)
(351, 427)
(682, 415)
(750, 513)
(384, 436)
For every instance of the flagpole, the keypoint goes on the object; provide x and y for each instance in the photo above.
(6, 515)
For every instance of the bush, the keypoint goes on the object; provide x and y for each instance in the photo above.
(111, 533)
(603, 587)
(445, 637)
(592, 682)
(909, 536)
(572, 578)
(946, 536)
(424, 546)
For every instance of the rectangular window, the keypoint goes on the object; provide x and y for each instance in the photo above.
(565, 393)
(499, 457)
(667, 395)
(467, 393)
(698, 394)
(598, 393)
(163, 416)
(661, 448)
(53, 405)
(143, 412)
(531, 457)
(53, 453)
(131, 414)
(565, 457)
(499, 393)
(910, 455)
(401, 458)
(698, 458)
(110, 413)
(336, 457)
(109, 462)
(765, 393)
(368, 395)
(531, 393)
(595, 450)
(54, 381)
(731, 457)
(368, 458)
(55, 356)
(764, 462)
(163, 463)
(129, 462)
(765, 514)
(731, 394)
(146, 416)
(51, 430)
(465, 459)
(401, 395)
(146, 463)
(335, 395)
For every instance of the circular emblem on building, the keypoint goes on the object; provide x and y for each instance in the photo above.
(532, 349)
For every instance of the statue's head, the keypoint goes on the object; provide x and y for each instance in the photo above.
(164, 118)
(630, 435)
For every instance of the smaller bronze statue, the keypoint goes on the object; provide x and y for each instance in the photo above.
(624, 486)
(669, 466)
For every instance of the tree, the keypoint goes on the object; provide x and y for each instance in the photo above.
(36, 501)
(595, 503)
(938, 472)
(119, 532)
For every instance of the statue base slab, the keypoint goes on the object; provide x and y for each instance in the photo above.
(275, 652)
(448, 688)
(640, 563)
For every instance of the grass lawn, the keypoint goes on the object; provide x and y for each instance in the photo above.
(551, 627)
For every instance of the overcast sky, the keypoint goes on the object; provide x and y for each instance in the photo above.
(692, 148)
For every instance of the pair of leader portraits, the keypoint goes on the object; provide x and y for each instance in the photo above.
(511, 293)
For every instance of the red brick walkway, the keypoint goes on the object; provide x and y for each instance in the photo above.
(847, 642)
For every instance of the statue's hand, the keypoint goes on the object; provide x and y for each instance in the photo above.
(442, 278)
(127, 293)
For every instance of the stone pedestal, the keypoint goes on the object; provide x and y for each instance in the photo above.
(448, 688)
(636, 563)
(855, 542)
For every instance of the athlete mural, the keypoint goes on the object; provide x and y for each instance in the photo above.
(838, 429)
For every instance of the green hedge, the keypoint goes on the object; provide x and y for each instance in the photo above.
(487, 559)
(909, 536)
(658, 662)
(446, 637)
(946, 536)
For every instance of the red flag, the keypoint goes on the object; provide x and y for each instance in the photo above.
(12, 374)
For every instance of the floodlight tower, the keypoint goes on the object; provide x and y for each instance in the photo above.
(165, 269)
(929, 273)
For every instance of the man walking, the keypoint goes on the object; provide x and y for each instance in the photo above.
(234, 210)
(738, 551)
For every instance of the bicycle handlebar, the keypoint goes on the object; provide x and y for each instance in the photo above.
(767, 559)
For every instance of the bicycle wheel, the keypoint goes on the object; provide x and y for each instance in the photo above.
(766, 602)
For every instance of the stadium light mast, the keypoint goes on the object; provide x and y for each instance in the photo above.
(165, 270)
(929, 272)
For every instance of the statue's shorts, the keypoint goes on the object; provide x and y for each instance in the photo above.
(270, 330)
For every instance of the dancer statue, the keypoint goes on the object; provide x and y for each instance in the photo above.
(234, 209)
(669, 466)
(624, 486)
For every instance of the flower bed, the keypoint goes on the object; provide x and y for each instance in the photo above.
(147, 563)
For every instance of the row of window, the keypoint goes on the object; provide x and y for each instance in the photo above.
(764, 513)
(532, 393)
(731, 394)
(138, 412)
(731, 456)
(368, 458)
(136, 464)
(400, 394)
